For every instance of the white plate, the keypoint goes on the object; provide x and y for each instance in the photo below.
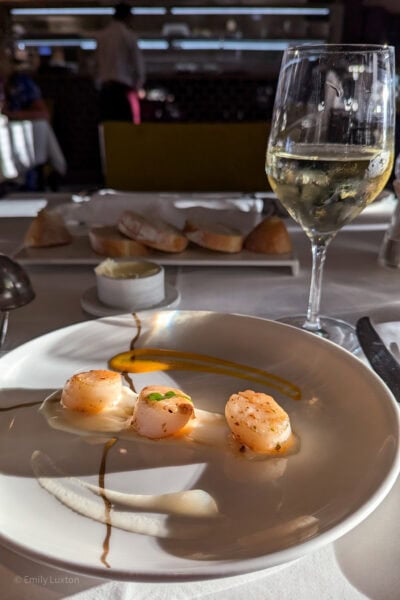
(274, 511)
(234, 210)
(79, 252)
(91, 304)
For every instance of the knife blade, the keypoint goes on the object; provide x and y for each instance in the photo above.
(380, 358)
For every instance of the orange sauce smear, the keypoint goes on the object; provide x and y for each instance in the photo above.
(147, 360)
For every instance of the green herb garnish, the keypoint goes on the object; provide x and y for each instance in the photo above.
(156, 396)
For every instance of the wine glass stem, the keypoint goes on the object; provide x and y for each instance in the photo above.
(318, 249)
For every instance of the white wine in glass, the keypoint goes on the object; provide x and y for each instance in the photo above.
(330, 151)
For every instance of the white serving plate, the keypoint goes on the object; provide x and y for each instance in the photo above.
(234, 210)
(79, 252)
(272, 512)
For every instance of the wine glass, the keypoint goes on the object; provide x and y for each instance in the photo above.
(330, 150)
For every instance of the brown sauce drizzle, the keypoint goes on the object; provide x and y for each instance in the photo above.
(138, 332)
(107, 504)
(15, 406)
(129, 381)
(132, 347)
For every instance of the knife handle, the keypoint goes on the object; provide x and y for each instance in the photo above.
(380, 358)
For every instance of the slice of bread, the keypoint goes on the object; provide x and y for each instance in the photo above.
(107, 240)
(269, 237)
(156, 233)
(214, 236)
(47, 229)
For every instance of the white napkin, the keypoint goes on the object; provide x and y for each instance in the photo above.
(238, 212)
(21, 208)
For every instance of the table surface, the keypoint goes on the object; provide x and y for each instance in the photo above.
(363, 563)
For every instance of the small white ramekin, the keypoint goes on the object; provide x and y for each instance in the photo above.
(131, 285)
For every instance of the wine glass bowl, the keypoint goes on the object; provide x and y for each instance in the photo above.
(330, 151)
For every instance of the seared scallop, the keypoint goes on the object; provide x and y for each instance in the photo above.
(92, 391)
(258, 422)
(161, 411)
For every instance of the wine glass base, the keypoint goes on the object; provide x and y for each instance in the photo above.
(335, 330)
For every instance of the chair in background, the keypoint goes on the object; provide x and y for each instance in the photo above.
(204, 157)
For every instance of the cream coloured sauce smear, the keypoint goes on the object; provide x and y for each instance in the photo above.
(207, 428)
(81, 497)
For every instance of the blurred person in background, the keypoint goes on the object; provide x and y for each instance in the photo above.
(23, 98)
(23, 101)
(120, 68)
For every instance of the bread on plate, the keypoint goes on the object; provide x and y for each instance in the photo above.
(107, 240)
(157, 234)
(214, 236)
(47, 229)
(270, 236)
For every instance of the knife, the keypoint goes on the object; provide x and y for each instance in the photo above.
(380, 358)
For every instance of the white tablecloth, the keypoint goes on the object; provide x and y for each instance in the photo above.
(362, 564)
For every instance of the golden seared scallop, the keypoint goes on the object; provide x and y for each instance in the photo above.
(92, 391)
(161, 411)
(258, 422)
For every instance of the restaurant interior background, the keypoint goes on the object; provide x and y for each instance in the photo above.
(214, 61)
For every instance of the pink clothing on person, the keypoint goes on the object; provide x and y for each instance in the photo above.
(133, 99)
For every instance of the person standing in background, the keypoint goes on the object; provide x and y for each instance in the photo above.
(120, 68)
(23, 97)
